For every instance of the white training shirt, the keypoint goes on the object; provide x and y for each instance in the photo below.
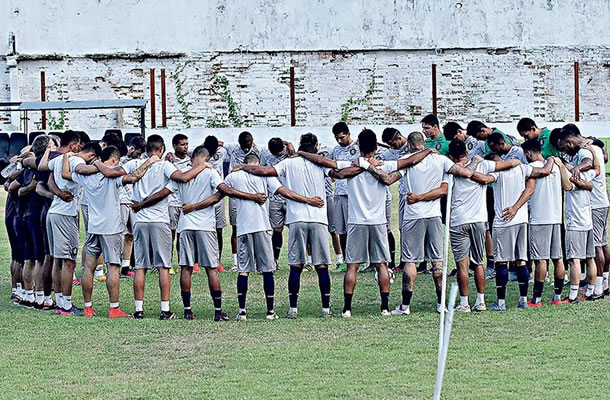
(194, 191)
(578, 205)
(341, 153)
(396, 154)
(236, 154)
(515, 153)
(104, 202)
(181, 164)
(252, 216)
(154, 180)
(58, 206)
(126, 191)
(546, 202)
(507, 190)
(599, 195)
(307, 179)
(218, 160)
(423, 177)
(366, 196)
(469, 198)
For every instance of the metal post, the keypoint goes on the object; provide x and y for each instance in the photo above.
(153, 123)
(434, 100)
(143, 121)
(163, 100)
(576, 94)
(440, 371)
(43, 97)
(293, 117)
(445, 262)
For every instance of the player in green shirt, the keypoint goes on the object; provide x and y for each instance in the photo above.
(528, 129)
(434, 137)
(481, 131)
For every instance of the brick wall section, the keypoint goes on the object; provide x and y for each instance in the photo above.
(5, 117)
(472, 84)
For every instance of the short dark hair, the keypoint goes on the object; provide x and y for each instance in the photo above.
(496, 138)
(416, 139)
(367, 140)
(388, 134)
(571, 128)
(113, 139)
(92, 148)
(251, 157)
(154, 143)
(200, 151)
(308, 138)
(275, 146)
(531, 145)
(554, 137)
(450, 130)
(308, 148)
(430, 119)
(211, 143)
(474, 127)
(340, 127)
(84, 138)
(244, 137)
(40, 144)
(493, 157)
(457, 148)
(138, 143)
(526, 124)
(178, 137)
(108, 152)
(68, 137)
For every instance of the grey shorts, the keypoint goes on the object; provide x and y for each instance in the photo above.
(422, 240)
(580, 245)
(277, 213)
(232, 211)
(152, 245)
(402, 200)
(62, 231)
(255, 252)
(388, 212)
(111, 246)
(127, 219)
(330, 213)
(221, 214)
(84, 209)
(340, 214)
(510, 243)
(302, 233)
(174, 217)
(600, 222)
(468, 241)
(367, 243)
(545, 242)
(199, 247)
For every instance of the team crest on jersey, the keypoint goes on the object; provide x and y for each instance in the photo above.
(352, 151)
(469, 146)
(216, 157)
(438, 146)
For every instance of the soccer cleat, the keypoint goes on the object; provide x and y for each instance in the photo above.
(607, 292)
(196, 269)
(14, 298)
(241, 316)
(233, 268)
(479, 307)
(292, 314)
(272, 315)
(38, 306)
(138, 315)
(453, 273)
(534, 305)
(89, 312)
(497, 307)
(365, 270)
(309, 267)
(221, 268)
(490, 273)
(74, 311)
(188, 315)
(76, 282)
(341, 268)
(385, 313)
(346, 314)
(118, 313)
(397, 270)
(60, 311)
(49, 307)
(522, 304)
(154, 270)
(101, 278)
(594, 297)
(463, 308)
(220, 316)
(327, 314)
(581, 298)
(438, 308)
(400, 310)
(172, 271)
(571, 301)
(165, 315)
(26, 304)
(559, 302)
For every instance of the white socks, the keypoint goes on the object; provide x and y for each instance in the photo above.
(125, 263)
(139, 305)
(88, 304)
(164, 305)
(234, 259)
(480, 298)
(39, 296)
(339, 258)
(309, 260)
(573, 292)
(463, 300)
(523, 299)
(293, 310)
(605, 280)
(589, 291)
(59, 300)
(67, 303)
(114, 305)
(502, 302)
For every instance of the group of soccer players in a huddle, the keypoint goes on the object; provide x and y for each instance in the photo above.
(507, 206)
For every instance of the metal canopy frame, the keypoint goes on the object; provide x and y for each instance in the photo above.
(27, 106)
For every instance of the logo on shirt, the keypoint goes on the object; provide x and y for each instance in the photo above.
(469, 146)
(352, 151)
(438, 146)
(216, 157)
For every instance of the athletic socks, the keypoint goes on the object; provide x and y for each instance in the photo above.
(406, 297)
(339, 258)
(164, 306)
(139, 305)
(277, 241)
(605, 280)
(235, 259)
(439, 294)
(598, 285)
(242, 290)
(269, 289)
(490, 262)
(309, 260)
(59, 300)
(47, 300)
(385, 299)
(114, 305)
(392, 245)
(502, 302)
(39, 296)
(29, 296)
(324, 283)
(67, 303)
(125, 263)
(294, 285)
(501, 281)
(186, 299)
(217, 300)
(573, 292)
(523, 277)
(347, 301)
(589, 291)
(537, 292)
(558, 286)
(464, 300)
(583, 276)
(88, 304)
(480, 298)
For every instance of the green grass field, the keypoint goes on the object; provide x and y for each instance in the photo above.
(551, 352)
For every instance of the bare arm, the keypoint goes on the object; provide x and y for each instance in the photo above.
(381, 176)
(582, 184)
(318, 159)
(108, 172)
(65, 167)
(509, 212)
(413, 159)
(258, 170)
(506, 165)
(209, 201)
(30, 187)
(260, 198)
(41, 190)
(596, 165)
(482, 179)
(43, 166)
(64, 195)
(344, 173)
(428, 196)
(139, 172)
(151, 200)
(184, 177)
(544, 171)
(565, 179)
(585, 165)
(29, 162)
(462, 172)
(290, 195)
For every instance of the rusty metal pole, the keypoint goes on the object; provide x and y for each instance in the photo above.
(293, 117)
(43, 97)
(434, 100)
(576, 94)
(153, 123)
(163, 100)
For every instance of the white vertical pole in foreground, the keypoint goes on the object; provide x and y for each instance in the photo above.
(440, 372)
(445, 262)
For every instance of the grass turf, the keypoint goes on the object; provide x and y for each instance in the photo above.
(552, 352)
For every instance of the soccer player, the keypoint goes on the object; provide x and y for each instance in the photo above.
(182, 162)
(217, 157)
(306, 222)
(10, 215)
(528, 130)
(434, 137)
(422, 231)
(454, 131)
(152, 234)
(468, 224)
(197, 230)
(482, 132)
(255, 249)
(497, 143)
(346, 150)
(510, 225)
(105, 232)
(545, 219)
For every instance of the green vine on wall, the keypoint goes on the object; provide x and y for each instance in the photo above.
(353, 103)
(235, 118)
(181, 95)
(54, 124)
